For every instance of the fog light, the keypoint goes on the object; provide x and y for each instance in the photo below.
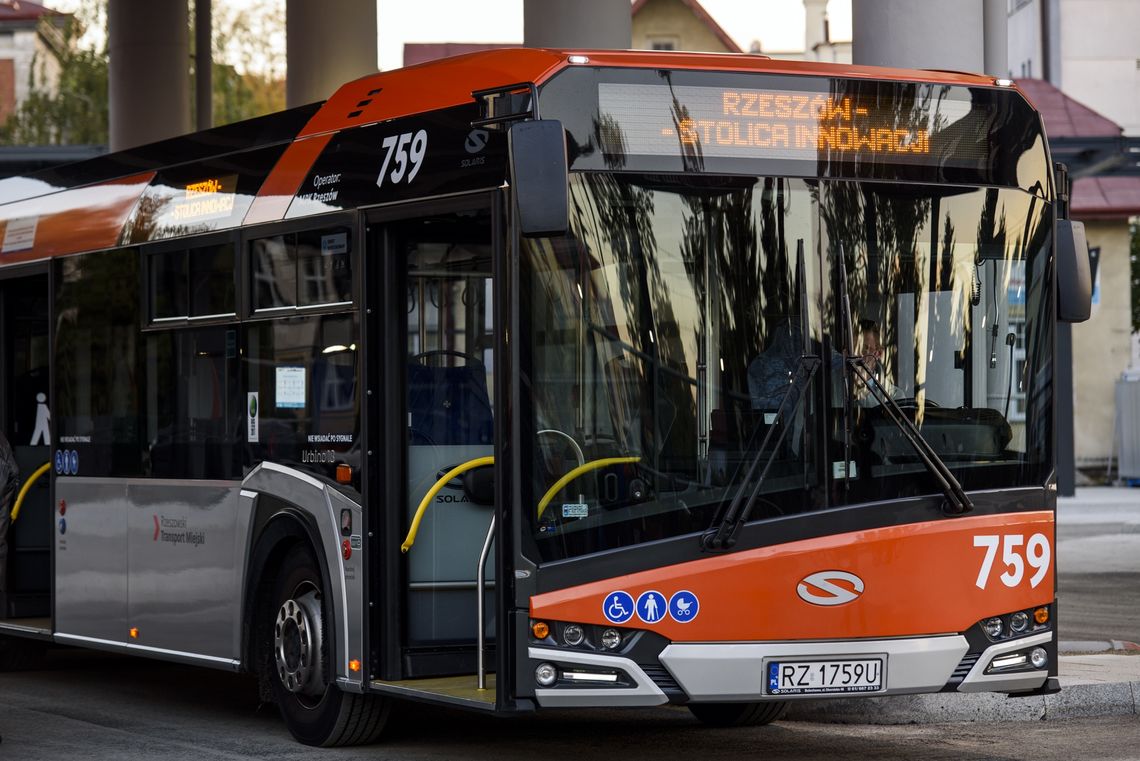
(573, 635)
(1038, 657)
(545, 674)
(611, 638)
(992, 627)
(1018, 622)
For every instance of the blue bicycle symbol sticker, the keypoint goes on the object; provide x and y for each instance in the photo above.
(617, 607)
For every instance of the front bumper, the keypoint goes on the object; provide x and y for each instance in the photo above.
(728, 672)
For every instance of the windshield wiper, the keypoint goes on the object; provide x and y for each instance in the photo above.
(722, 535)
(957, 501)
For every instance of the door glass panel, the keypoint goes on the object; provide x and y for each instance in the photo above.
(449, 376)
(25, 552)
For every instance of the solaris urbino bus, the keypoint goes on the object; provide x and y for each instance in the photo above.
(532, 379)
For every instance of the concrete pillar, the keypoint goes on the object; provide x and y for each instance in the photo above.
(996, 38)
(327, 43)
(815, 13)
(203, 64)
(149, 77)
(919, 34)
(577, 24)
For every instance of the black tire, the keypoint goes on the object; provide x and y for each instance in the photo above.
(738, 714)
(316, 711)
(18, 654)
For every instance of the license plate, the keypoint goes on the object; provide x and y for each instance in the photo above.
(825, 677)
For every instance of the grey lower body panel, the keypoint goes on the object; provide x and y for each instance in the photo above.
(979, 681)
(643, 693)
(736, 671)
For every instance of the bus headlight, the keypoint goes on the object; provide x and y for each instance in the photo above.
(572, 635)
(611, 638)
(1018, 622)
(992, 627)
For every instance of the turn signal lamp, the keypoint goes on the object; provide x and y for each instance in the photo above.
(1041, 615)
(134, 632)
(354, 665)
(343, 473)
(540, 629)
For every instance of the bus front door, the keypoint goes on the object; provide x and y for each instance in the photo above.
(439, 420)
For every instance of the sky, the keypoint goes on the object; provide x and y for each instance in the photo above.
(777, 24)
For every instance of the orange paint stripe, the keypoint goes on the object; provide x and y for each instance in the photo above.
(80, 219)
(272, 201)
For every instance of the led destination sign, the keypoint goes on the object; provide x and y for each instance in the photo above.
(772, 124)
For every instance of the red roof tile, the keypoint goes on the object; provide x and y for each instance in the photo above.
(21, 10)
(703, 16)
(422, 52)
(1065, 117)
(1105, 197)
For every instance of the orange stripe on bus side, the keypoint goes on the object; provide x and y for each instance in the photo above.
(272, 201)
(918, 579)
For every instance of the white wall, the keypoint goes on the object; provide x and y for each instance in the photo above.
(1100, 57)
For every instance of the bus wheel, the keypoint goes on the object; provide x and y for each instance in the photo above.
(738, 714)
(316, 711)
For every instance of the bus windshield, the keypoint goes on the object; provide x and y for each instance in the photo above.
(665, 329)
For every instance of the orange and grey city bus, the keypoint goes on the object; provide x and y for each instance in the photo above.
(532, 379)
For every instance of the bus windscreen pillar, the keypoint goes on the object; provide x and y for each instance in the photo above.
(579, 24)
(149, 77)
(327, 44)
(946, 36)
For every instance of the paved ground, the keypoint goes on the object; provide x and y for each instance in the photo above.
(1098, 565)
(95, 707)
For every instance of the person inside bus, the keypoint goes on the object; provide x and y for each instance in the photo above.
(871, 351)
(9, 482)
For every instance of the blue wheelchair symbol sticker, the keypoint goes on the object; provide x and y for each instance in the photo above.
(74, 462)
(59, 462)
(684, 606)
(651, 607)
(618, 607)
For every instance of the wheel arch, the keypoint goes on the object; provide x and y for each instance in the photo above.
(284, 506)
(278, 527)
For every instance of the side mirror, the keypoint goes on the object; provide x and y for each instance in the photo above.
(539, 176)
(1074, 279)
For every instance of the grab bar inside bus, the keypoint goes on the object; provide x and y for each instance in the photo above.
(578, 471)
(458, 470)
(27, 487)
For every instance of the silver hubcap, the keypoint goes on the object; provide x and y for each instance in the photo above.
(297, 644)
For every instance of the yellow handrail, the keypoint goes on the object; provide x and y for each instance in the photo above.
(27, 486)
(479, 462)
(581, 469)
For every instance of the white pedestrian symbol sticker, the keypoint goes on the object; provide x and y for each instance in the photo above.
(651, 607)
(42, 433)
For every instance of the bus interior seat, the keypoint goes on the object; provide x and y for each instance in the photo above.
(449, 405)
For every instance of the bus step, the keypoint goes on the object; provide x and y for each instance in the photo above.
(450, 690)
